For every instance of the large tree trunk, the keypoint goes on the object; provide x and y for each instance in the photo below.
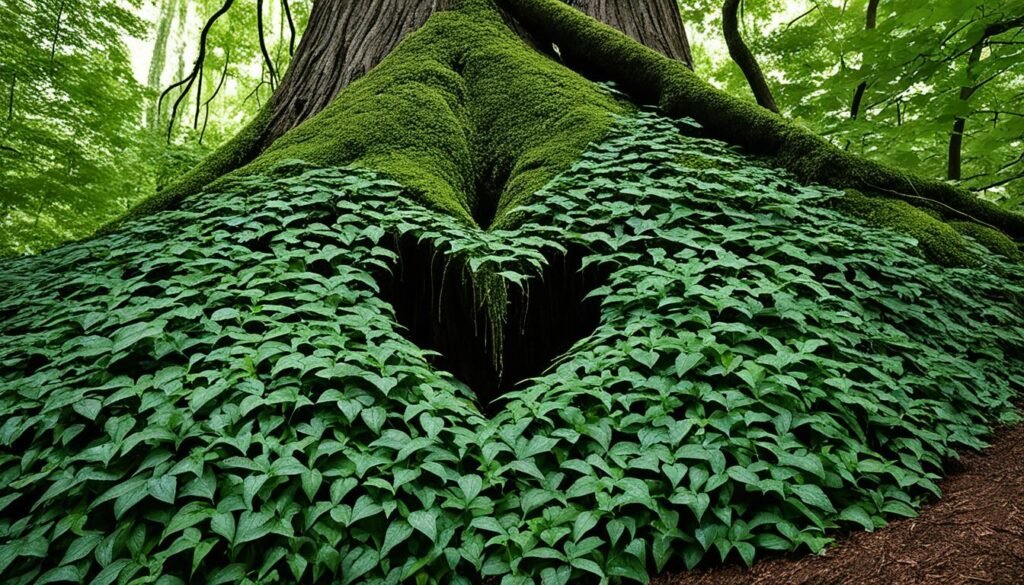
(347, 38)
(344, 40)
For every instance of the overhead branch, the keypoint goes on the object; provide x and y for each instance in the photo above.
(263, 44)
(801, 17)
(56, 32)
(743, 57)
(216, 90)
(291, 27)
(197, 69)
(1013, 162)
(1000, 183)
(10, 96)
(1000, 113)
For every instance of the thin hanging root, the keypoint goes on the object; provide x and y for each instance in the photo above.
(291, 27)
(263, 45)
(197, 71)
(216, 90)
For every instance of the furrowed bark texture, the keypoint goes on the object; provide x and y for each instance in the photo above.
(655, 23)
(344, 40)
(347, 38)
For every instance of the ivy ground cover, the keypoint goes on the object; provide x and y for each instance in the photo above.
(218, 394)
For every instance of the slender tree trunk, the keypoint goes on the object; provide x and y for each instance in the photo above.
(168, 9)
(956, 138)
(56, 32)
(858, 96)
(743, 57)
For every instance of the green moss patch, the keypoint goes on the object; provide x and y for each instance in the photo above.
(994, 240)
(937, 240)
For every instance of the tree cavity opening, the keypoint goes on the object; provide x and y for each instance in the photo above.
(439, 308)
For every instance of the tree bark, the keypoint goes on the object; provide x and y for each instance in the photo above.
(655, 23)
(858, 96)
(741, 54)
(347, 38)
(956, 138)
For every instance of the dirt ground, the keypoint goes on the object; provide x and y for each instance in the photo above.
(973, 535)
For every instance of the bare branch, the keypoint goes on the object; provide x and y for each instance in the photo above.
(56, 32)
(291, 27)
(801, 17)
(263, 44)
(190, 79)
(216, 90)
(1000, 182)
(10, 96)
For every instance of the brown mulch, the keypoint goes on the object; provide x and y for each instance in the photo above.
(973, 535)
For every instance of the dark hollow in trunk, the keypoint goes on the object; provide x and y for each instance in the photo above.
(438, 309)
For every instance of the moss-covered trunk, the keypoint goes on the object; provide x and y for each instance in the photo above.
(347, 38)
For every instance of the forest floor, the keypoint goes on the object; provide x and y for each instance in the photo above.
(973, 535)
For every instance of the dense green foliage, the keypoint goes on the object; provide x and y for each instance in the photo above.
(218, 394)
(80, 140)
(69, 119)
(914, 63)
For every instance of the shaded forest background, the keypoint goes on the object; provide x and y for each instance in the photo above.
(935, 87)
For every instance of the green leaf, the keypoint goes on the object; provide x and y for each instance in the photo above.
(163, 488)
(857, 514)
(686, 362)
(398, 532)
(425, 522)
(80, 547)
(812, 495)
(742, 475)
(470, 486)
(588, 566)
(252, 526)
(899, 508)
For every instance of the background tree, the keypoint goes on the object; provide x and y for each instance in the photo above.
(70, 119)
